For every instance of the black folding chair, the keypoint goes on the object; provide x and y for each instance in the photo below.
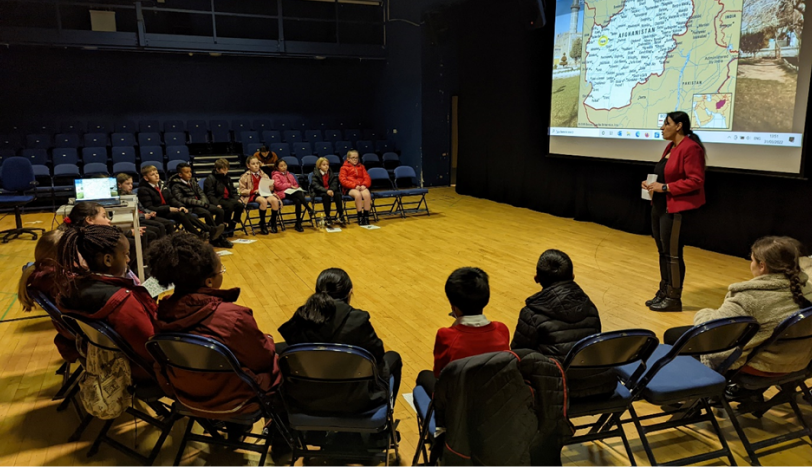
(797, 329)
(330, 370)
(675, 379)
(180, 352)
(603, 352)
(99, 334)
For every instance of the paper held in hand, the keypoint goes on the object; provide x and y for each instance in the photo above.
(651, 178)
(265, 187)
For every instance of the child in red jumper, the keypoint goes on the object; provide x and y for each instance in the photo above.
(471, 334)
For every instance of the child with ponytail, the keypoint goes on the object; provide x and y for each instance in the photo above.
(91, 277)
(777, 290)
(328, 317)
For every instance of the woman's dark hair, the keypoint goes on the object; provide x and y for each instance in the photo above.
(553, 266)
(182, 259)
(780, 256)
(682, 117)
(81, 211)
(468, 290)
(333, 284)
(89, 241)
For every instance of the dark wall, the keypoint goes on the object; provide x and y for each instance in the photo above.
(504, 110)
(52, 84)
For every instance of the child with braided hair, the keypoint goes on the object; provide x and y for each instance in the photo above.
(97, 288)
(778, 289)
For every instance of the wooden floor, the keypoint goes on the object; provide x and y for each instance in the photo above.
(398, 272)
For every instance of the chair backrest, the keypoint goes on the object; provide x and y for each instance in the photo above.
(328, 362)
(380, 178)
(303, 149)
(313, 135)
(126, 126)
(335, 162)
(352, 135)
(333, 135)
(341, 147)
(261, 125)
(98, 126)
(292, 136)
(390, 160)
(270, 137)
(95, 168)
(50, 307)
(151, 154)
(196, 125)
(37, 156)
(797, 328)
(125, 167)
(248, 137)
(102, 335)
(405, 177)
(384, 146)
(219, 125)
(293, 164)
(66, 140)
(309, 164)
(364, 146)
(323, 148)
(65, 156)
(122, 139)
(198, 135)
(174, 125)
(149, 126)
(149, 139)
(178, 153)
(371, 135)
(67, 172)
(72, 127)
(192, 353)
(612, 349)
(38, 141)
(10, 141)
(98, 155)
(17, 175)
(281, 149)
(93, 140)
(123, 154)
(174, 138)
(715, 336)
(200, 183)
(240, 124)
(172, 166)
(370, 160)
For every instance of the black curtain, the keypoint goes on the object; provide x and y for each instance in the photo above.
(504, 89)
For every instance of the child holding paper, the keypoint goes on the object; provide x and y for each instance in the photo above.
(250, 193)
(285, 185)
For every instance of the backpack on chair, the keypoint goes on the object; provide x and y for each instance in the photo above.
(105, 384)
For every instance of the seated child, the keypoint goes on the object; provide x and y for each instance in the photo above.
(187, 192)
(40, 276)
(154, 195)
(146, 217)
(199, 306)
(220, 191)
(472, 333)
(92, 280)
(556, 318)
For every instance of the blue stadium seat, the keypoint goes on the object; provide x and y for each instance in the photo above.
(96, 140)
(382, 188)
(294, 166)
(292, 136)
(149, 139)
(66, 140)
(335, 162)
(172, 166)
(270, 137)
(178, 153)
(174, 125)
(341, 148)
(384, 146)
(95, 168)
(46, 128)
(94, 155)
(390, 161)
(364, 146)
(35, 156)
(313, 135)
(309, 164)
(125, 167)
(149, 126)
(38, 141)
(281, 149)
(65, 156)
(249, 137)
(126, 126)
(64, 176)
(76, 127)
(42, 174)
(333, 135)
(220, 132)
(10, 141)
(261, 124)
(6, 153)
(323, 148)
(198, 135)
(122, 139)
(283, 124)
(371, 160)
(175, 138)
(123, 154)
(153, 155)
(370, 135)
(352, 135)
(98, 126)
(302, 149)
(196, 125)
(239, 125)
(252, 148)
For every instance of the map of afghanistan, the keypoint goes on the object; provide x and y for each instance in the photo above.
(632, 47)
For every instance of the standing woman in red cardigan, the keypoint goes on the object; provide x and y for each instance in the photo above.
(680, 188)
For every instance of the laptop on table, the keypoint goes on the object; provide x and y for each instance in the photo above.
(99, 190)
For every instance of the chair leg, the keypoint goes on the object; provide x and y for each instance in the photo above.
(795, 408)
(182, 447)
(77, 433)
(68, 397)
(718, 430)
(102, 435)
(168, 424)
(642, 433)
(740, 431)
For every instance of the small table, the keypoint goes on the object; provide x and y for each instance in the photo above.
(126, 215)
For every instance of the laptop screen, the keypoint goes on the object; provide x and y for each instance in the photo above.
(92, 189)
